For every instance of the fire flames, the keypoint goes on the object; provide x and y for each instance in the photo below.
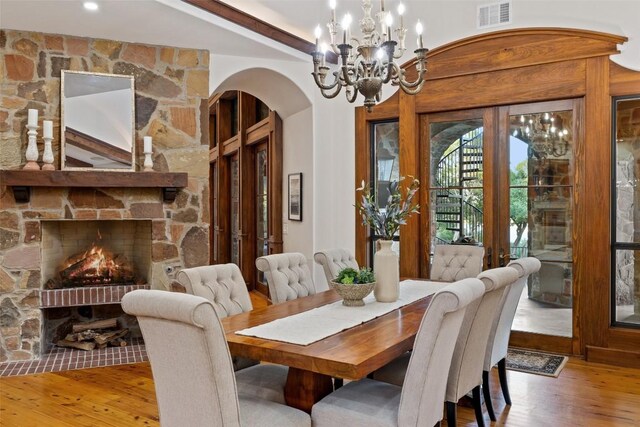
(94, 266)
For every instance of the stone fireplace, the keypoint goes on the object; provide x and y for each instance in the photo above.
(156, 234)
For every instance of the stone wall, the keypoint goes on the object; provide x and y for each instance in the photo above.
(171, 105)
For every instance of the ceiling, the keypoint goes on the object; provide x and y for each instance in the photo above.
(175, 23)
(160, 22)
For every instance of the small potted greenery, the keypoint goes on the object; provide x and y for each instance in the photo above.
(353, 285)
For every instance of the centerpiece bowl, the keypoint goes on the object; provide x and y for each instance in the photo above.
(353, 293)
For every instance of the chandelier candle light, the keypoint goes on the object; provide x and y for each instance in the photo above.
(366, 63)
(545, 134)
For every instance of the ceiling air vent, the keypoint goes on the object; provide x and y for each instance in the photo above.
(493, 14)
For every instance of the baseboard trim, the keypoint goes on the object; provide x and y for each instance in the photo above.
(611, 356)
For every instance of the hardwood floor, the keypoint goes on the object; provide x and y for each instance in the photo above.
(585, 394)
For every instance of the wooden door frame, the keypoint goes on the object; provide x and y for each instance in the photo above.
(522, 66)
(224, 145)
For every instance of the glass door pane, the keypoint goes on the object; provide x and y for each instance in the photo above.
(456, 182)
(626, 214)
(262, 220)
(386, 152)
(214, 212)
(235, 210)
(541, 216)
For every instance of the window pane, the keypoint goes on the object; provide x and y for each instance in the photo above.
(541, 217)
(627, 191)
(627, 282)
(235, 211)
(456, 181)
(545, 303)
(386, 168)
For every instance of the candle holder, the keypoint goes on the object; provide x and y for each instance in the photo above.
(32, 149)
(47, 155)
(148, 162)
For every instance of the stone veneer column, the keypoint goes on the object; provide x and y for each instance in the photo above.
(171, 105)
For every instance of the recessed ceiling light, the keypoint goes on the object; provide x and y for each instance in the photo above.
(90, 5)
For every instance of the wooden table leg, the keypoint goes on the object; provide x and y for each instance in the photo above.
(304, 388)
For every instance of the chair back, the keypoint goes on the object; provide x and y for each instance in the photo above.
(424, 385)
(468, 355)
(498, 342)
(190, 360)
(221, 284)
(288, 276)
(334, 260)
(456, 262)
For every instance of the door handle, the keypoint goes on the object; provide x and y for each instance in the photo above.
(501, 258)
(489, 257)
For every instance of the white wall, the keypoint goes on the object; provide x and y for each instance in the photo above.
(298, 157)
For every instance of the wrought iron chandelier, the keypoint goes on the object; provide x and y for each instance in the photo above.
(545, 134)
(367, 63)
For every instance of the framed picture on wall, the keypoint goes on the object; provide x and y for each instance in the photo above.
(295, 196)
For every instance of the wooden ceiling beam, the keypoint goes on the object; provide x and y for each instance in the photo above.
(256, 25)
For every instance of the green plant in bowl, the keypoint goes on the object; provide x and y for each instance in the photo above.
(349, 275)
(353, 285)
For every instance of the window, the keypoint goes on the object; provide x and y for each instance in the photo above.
(625, 281)
(385, 156)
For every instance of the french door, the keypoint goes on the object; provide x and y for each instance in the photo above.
(503, 178)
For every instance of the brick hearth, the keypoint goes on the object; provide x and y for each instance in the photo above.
(66, 359)
(86, 296)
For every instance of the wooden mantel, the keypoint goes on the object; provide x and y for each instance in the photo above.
(21, 181)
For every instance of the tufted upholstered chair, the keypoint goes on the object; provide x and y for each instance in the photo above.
(466, 366)
(456, 262)
(334, 260)
(191, 365)
(288, 276)
(468, 357)
(224, 287)
(498, 342)
(419, 401)
(221, 284)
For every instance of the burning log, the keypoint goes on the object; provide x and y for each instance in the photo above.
(96, 266)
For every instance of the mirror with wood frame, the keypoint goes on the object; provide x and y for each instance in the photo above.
(98, 121)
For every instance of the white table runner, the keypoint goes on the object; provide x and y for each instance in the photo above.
(318, 323)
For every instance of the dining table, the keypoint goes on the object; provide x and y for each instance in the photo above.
(351, 354)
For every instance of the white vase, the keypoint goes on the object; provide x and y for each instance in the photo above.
(387, 272)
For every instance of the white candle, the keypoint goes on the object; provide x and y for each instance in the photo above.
(147, 144)
(47, 129)
(33, 117)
